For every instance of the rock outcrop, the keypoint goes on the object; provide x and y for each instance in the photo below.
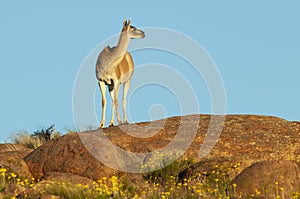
(268, 179)
(246, 139)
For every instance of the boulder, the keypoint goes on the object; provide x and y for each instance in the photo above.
(268, 179)
(66, 154)
(13, 162)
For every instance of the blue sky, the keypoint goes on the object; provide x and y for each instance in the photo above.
(254, 44)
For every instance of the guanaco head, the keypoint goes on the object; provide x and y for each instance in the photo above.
(132, 31)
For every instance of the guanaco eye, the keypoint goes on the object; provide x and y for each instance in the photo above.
(133, 28)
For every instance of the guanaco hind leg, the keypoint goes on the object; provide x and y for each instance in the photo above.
(124, 103)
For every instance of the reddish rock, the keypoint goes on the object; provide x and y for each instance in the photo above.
(269, 178)
(66, 155)
(11, 157)
(244, 138)
(12, 160)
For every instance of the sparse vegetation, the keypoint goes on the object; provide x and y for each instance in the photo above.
(162, 167)
(37, 138)
(216, 185)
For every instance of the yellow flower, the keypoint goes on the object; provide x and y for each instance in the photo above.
(114, 180)
(86, 186)
(167, 193)
(3, 170)
(98, 189)
(13, 175)
(234, 185)
(143, 192)
(198, 191)
(257, 192)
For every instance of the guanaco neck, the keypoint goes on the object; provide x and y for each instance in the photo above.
(122, 45)
(110, 58)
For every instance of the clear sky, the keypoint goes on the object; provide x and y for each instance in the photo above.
(254, 44)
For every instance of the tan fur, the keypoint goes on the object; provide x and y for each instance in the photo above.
(115, 67)
(125, 69)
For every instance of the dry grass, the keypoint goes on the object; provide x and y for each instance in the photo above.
(38, 138)
(26, 140)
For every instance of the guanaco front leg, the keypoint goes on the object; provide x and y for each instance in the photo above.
(103, 93)
(114, 104)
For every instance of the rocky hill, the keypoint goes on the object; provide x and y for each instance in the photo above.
(244, 139)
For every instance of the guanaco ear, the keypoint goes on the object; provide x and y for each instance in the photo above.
(128, 24)
(125, 22)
